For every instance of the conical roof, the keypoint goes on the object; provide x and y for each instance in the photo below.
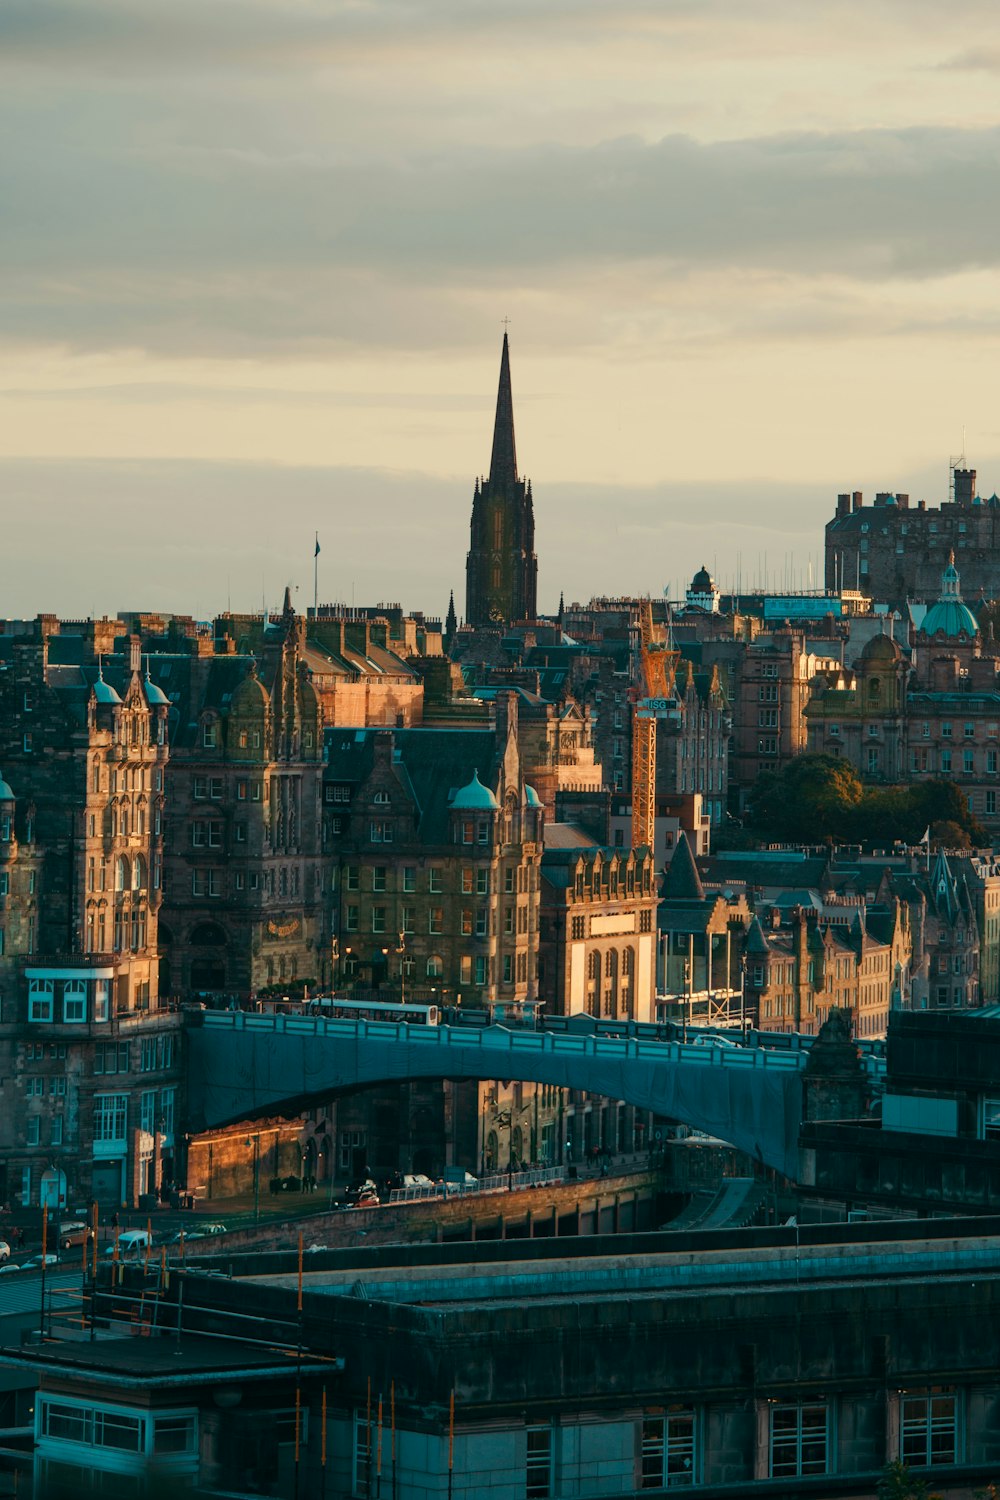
(683, 883)
(6, 791)
(503, 462)
(755, 940)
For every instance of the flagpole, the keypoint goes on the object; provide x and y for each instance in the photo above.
(316, 579)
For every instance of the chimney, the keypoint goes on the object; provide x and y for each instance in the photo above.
(903, 501)
(856, 500)
(843, 504)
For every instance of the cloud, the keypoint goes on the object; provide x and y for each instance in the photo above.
(169, 247)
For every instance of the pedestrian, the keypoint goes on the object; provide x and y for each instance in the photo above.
(114, 1220)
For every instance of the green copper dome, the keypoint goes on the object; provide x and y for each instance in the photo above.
(475, 797)
(950, 616)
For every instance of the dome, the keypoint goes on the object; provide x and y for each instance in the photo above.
(6, 791)
(702, 582)
(881, 648)
(950, 616)
(475, 797)
(155, 696)
(103, 691)
(531, 797)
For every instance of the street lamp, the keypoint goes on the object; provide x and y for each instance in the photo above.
(254, 1141)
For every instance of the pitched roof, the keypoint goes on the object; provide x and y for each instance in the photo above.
(682, 881)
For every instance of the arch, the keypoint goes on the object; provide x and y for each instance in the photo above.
(235, 1071)
(435, 966)
(207, 935)
(139, 873)
(123, 875)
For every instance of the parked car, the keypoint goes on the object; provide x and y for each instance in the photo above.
(132, 1244)
(212, 1228)
(416, 1180)
(9, 1265)
(37, 1261)
(4, 1252)
(74, 1232)
(458, 1177)
(360, 1186)
(368, 1199)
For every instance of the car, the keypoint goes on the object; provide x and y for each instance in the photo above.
(75, 1232)
(369, 1198)
(4, 1252)
(360, 1185)
(212, 1229)
(417, 1180)
(9, 1265)
(713, 1041)
(130, 1244)
(458, 1177)
(37, 1261)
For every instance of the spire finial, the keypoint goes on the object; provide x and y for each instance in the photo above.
(503, 463)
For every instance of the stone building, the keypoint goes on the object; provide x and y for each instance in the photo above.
(91, 1058)
(244, 901)
(775, 676)
(598, 932)
(932, 713)
(702, 935)
(502, 570)
(894, 552)
(433, 843)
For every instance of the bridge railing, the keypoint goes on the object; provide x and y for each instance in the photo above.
(500, 1040)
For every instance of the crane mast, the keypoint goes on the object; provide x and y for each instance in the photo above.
(656, 672)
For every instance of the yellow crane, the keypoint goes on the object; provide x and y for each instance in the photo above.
(657, 664)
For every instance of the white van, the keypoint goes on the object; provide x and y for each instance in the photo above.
(132, 1244)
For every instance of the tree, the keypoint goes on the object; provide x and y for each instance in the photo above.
(898, 1484)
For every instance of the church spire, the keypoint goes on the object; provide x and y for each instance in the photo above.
(503, 463)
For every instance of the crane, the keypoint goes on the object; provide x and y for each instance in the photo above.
(657, 664)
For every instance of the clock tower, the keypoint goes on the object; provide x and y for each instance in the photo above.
(501, 569)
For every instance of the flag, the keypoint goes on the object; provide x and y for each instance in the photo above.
(316, 553)
(927, 835)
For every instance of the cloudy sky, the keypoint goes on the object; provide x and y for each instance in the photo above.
(255, 254)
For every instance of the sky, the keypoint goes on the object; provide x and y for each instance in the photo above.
(255, 258)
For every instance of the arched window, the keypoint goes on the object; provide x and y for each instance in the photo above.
(435, 966)
(122, 881)
(628, 961)
(594, 965)
(138, 873)
(609, 963)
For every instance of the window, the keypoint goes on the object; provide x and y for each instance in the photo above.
(352, 878)
(946, 730)
(102, 989)
(110, 1113)
(75, 1001)
(508, 881)
(969, 730)
(508, 968)
(968, 762)
(579, 924)
(56, 1127)
(667, 1452)
(434, 879)
(799, 1437)
(482, 922)
(381, 831)
(435, 919)
(378, 919)
(928, 1428)
(435, 967)
(946, 761)
(40, 999)
(209, 736)
(409, 878)
(482, 882)
(34, 1130)
(468, 880)
(538, 1463)
(481, 973)
(352, 918)
(378, 878)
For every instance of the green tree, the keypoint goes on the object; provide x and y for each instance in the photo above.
(898, 1484)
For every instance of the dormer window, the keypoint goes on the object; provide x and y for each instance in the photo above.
(208, 735)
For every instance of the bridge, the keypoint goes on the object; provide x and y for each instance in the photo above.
(243, 1065)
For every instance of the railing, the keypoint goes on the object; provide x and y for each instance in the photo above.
(504, 1042)
(495, 1182)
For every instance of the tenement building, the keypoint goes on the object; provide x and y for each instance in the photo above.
(244, 900)
(502, 570)
(90, 1059)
